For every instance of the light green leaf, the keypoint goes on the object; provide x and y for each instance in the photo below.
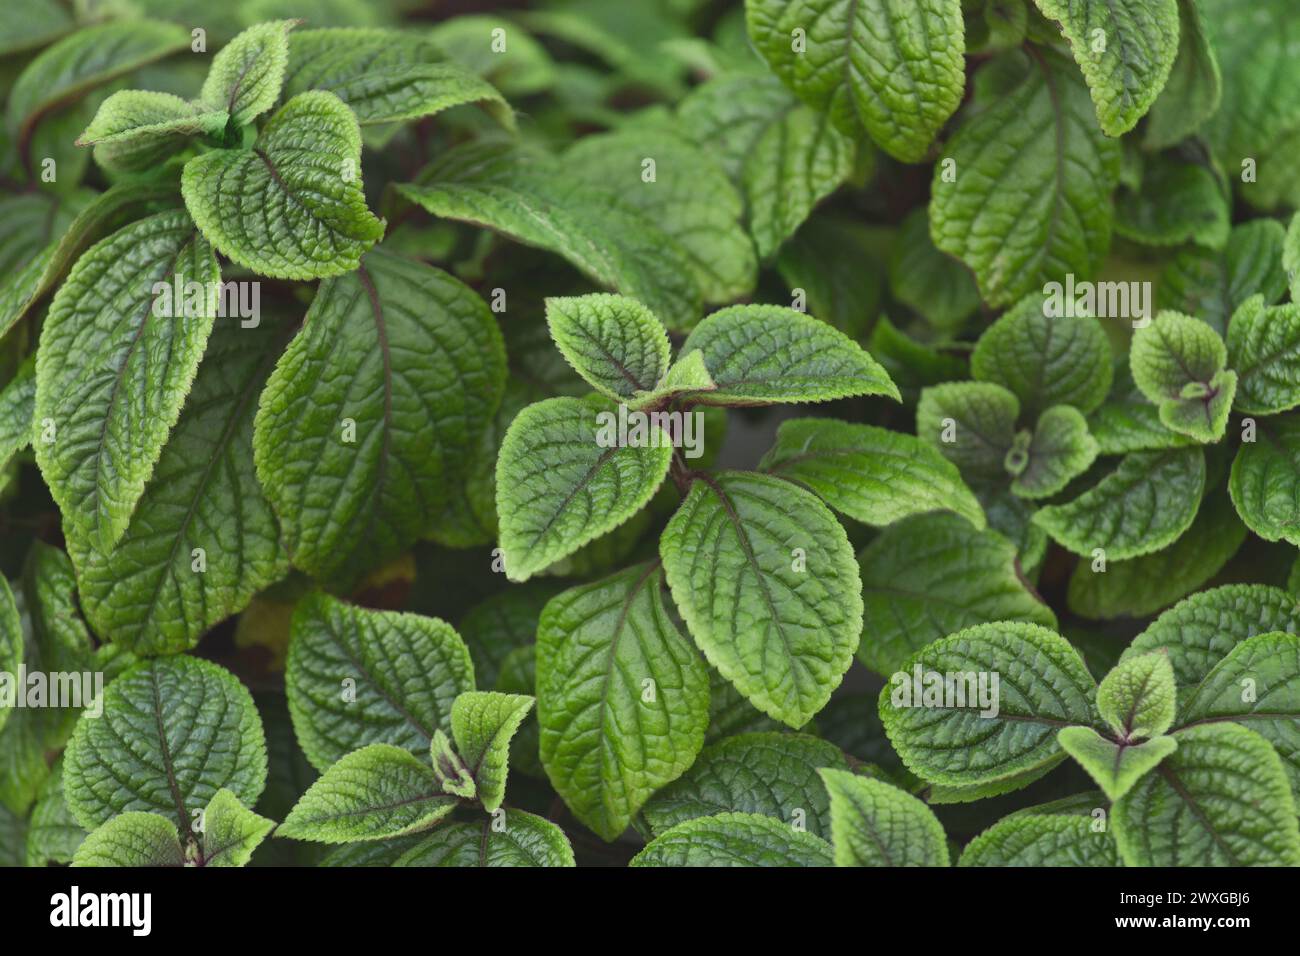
(895, 69)
(1213, 285)
(1143, 506)
(231, 832)
(372, 411)
(563, 479)
(973, 424)
(605, 745)
(735, 839)
(514, 839)
(1059, 450)
(483, 724)
(688, 375)
(1264, 351)
(375, 793)
(1179, 363)
(961, 740)
(759, 354)
(874, 824)
(1137, 697)
(1291, 254)
(453, 776)
(1128, 422)
(117, 356)
(871, 474)
(11, 648)
(1045, 359)
(293, 206)
(1116, 767)
(765, 579)
(1221, 799)
(404, 670)
(784, 157)
(613, 342)
(1195, 84)
(775, 774)
(1027, 165)
(1265, 480)
(174, 731)
(1178, 202)
(247, 73)
(137, 130)
(1042, 840)
(132, 839)
(933, 575)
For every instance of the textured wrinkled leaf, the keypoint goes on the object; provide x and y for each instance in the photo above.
(293, 206)
(780, 624)
(971, 423)
(406, 672)
(132, 839)
(783, 156)
(875, 824)
(1128, 422)
(452, 774)
(1041, 840)
(735, 839)
(53, 834)
(895, 69)
(1043, 686)
(519, 839)
(1137, 697)
(607, 747)
(1212, 285)
(775, 774)
(1178, 202)
(1195, 85)
(871, 474)
(112, 374)
(613, 342)
(137, 130)
(1265, 480)
(1028, 165)
(413, 359)
(174, 731)
(1221, 799)
(1264, 351)
(1178, 363)
(483, 724)
(1116, 767)
(11, 644)
(1142, 506)
(375, 793)
(246, 75)
(1059, 450)
(231, 832)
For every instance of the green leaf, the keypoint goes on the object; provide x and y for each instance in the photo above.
(11, 648)
(1116, 767)
(874, 824)
(1178, 202)
(1029, 163)
(1200, 630)
(765, 579)
(783, 157)
(971, 423)
(835, 260)
(483, 725)
(896, 70)
(1221, 799)
(1042, 840)
(356, 677)
(1128, 422)
(1179, 363)
(1125, 48)
(1137, 697)
(116, 358)
(1264, 350)
(1045, 359)
(563, 479)
(503, 624)
(961, 740)
(452, 774)
(934, 285)
(775, 774)
(524, 67)
(933, 575)
(1291, 254)
(372, 410)
(53, 835)
(688, 376)
(615, 343)
(1059, 450)
(132, 839)
(735, 839)
(1143, 506)
(760, 354)
(203, 539)
(293, 206)
(515, 838)
(1195, 84)
(871, 474)
(385, 76)
(608, 739)
(1213, 285)
(1264, 480)
(375, 793)
(231, 832)
(246, 75)
(136, 130)
(173, 732)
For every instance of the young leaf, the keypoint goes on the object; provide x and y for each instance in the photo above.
(356, 677)
(933, 575)
(292, 207)
(1028, 839)
(133, 839)
(765, 579)
(515, 839)
(1264, 351)
(1040, 145)
(973, 424)
(1179, 363)
(1115, 766)
(871, 474)
(1195, 84)
(231, 832)
(1137, 697)
(735, 839)
(174, 731)
(1213, 285)
(759, 354)
(1221, 799)
(246, 74)
(688, 375)
(375, 793)
(1264, 480)
(1059, 450)
(896, 69)
(136, 130)
(483, 724)
(1142, 506)
(114, 365)
(615, 343)
(961, 739)
(874, 824)
(372, 410)
(453, 776)
(775, 774)
(622, 697)
(560, 485)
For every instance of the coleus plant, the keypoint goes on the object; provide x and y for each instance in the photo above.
(363, 323)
